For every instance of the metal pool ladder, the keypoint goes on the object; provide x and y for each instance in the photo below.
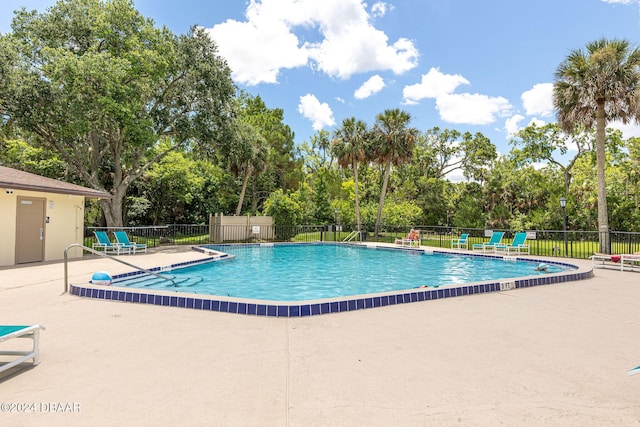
(93, 251)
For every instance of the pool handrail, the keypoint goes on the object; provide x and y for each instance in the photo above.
(93, 251)
(351, 236)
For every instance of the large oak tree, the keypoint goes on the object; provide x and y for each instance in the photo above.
(100, 85)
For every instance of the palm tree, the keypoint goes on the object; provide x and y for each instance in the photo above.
(247, 157)
(599, 85)
(349, 147)
(321, 141)
(394, 142)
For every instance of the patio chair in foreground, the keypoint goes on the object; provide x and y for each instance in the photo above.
(9, 331)
(518, 245)
(123, 241)
(105, 244)
(460, 242)
(489, 246)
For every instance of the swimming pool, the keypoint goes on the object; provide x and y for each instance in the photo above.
(300, 308)
(319, 271)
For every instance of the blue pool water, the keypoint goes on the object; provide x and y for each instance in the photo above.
(318, 271)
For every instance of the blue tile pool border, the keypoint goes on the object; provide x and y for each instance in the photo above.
(313, 308)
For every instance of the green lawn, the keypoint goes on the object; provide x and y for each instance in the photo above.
(577, 249)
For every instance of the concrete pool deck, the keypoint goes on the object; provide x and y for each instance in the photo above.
(545, 355)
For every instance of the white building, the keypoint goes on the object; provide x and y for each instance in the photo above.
(40, 217)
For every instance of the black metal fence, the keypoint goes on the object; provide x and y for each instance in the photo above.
(572, 244)
(153, 236)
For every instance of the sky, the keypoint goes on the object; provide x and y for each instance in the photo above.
(470, 65)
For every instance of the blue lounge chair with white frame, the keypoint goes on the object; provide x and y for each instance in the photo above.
(123, 241)
(517, 246)
(490, 246)
(8, 332)
(460, 242)
(105, 245)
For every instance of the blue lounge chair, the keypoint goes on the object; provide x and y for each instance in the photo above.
(489, 246)
(460, 242)
(123, 241)
(9, 331)
(106, 246)
(518, 245)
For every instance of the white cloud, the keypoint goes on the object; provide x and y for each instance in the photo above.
(620, 1)
(630, 130)
(409, 102)
(474, 109)
(257, 52)
(464, 108)
(432, 85)
(358, 49)
(372, 86)
(318, 113)
(539, 100)
(258, 48)
(511, 124)
(380, 8)
(536, 121)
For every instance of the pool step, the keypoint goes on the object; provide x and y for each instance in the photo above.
(150, 281)
(138, 281)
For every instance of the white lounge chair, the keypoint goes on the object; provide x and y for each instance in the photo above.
(8, 332)
(623, 261)
(412, 240)
(407, 243)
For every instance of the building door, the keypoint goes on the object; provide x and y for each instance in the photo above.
(30, 230)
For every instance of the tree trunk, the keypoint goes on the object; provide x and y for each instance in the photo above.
(567, 181)
(247, 172)
(603, 218)
(355, 178)
(112, 208)
(254, 195)
(385, 182)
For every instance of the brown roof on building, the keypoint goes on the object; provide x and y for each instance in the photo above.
(19, 180)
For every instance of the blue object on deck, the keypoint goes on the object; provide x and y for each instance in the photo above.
(101, 278)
